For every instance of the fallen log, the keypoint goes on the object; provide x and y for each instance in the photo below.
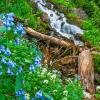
(51, 39)
(86, 72)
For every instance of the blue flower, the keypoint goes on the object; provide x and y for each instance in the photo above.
(20, 29)
(39, 94)
(17, 41)
(10, 16)
(20, 92)
(2, 48)
(8, 21)
(24, 98)
(8, 24)
(10, 72)
(0, 73)
(3, 60)
(10, 63)
(37, 61)
(7, 52)
(20, 69)
(32, 68)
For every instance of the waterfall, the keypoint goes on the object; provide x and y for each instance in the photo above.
(59, 23)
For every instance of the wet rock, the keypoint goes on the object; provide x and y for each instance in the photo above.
(49, 5)
(79, 12)
(44, 17)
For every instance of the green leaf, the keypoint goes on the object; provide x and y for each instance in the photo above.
(18, 84)
(2, 29)
(2, 97)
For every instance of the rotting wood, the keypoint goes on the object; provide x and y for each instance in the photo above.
(86, 72)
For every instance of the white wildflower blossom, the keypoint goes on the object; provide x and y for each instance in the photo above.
(65, 98)
(54, 91)
(87, 95)
(27, 96)
(49, 74)
(53, 76)
(45, 81)
(44, 70)
(65, 92)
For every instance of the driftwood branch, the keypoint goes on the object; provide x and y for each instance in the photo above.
(51, 39)
(86, 72)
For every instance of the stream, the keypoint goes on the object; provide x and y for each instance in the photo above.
(58, 23)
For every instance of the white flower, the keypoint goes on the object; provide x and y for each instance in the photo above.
(27, 96)
(53, 76)
(87, 95)
(45, 81)
(44, 70)
(65, 98)
(54, 71)
(65, 92)
(49, 74)
(54, 91)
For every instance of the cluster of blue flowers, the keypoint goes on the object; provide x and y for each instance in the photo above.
(37, 61)
(7, 52)
(8, 22)
(19, 29)
(12, 64)
(9, 63)
(39, 95)
(20, 92)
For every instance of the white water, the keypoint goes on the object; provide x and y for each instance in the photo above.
(59, 22)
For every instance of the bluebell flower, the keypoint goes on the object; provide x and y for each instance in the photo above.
(10, 72)
(20, 29)
(17, 41)
(2, 48)
(7, 52)
(3, 60)
(39, 94)
(37, 61)
(10, 16)
(20, 69)
(20, 92)
(10, 63)
(8, 24)
(8, 21)
(0, 73)
(32, 68)
(24, 97)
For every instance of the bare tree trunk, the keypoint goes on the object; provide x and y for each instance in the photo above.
(86, 72)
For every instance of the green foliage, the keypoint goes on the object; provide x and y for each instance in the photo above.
(51, 85)
(23, 54)
(97, 63)
(97, 96)
(24, 10)
(65, 3)
(74, 90)
(92, 32)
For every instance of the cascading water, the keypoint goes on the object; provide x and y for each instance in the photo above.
(59, 22)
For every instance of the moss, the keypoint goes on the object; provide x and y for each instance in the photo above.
(92, 32)
(97, 96)
(96, 59)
